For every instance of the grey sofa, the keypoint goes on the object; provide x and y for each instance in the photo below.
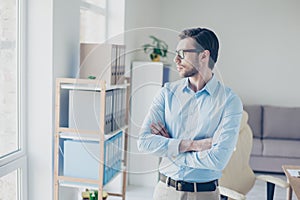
(276, 137)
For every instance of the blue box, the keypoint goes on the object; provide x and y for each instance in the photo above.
(81, 158)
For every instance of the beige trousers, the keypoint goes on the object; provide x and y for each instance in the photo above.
(163, 192)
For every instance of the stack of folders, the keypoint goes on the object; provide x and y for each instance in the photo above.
(103, 61)
(115, 110)
(113, 156)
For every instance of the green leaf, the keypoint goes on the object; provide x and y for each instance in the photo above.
(158, 47)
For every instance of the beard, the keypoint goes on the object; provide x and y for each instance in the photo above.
(189, 73)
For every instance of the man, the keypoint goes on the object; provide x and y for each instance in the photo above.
(193, 123)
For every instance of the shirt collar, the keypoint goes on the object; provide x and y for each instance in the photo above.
(185, 85)
(210, 86)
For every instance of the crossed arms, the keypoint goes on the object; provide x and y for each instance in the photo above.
(184, 145)
(210, 153)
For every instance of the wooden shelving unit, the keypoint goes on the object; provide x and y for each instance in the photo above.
(64, 133)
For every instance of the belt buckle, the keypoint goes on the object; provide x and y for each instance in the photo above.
(168, 179)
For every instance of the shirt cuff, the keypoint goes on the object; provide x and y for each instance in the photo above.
(173, 147)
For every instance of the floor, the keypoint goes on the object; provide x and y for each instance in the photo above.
(258, 192)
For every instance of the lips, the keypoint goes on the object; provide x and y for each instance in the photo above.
(179, 67)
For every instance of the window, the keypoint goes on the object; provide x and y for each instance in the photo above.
(8, 80)
(13, 177)
(12, 148)
(8, 184)
(93, 21)
(102, 20)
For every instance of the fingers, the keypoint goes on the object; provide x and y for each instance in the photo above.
(155, 129)
(159, 129)
(163, 128)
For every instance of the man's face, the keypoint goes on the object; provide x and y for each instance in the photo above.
(189, 66)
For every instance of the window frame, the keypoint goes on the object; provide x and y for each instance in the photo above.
(97, 10)
(21, 166)
(17, 160)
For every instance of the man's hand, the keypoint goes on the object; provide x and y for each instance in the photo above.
(201, 145)
(159, 129)
(195, 145)
(185, 145)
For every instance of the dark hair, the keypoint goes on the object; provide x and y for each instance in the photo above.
(206, 39)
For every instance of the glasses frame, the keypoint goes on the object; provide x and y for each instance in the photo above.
(180, 52)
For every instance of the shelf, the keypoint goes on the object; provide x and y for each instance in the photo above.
(88, 136)
(91, 87)
(111, 185)
(78, 185)
(111, 148)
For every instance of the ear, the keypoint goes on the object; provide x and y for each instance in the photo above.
(204, 56)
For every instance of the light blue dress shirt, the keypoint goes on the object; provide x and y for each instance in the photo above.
(215, 111)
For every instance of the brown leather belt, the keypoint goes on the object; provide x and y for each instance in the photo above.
(188, 186)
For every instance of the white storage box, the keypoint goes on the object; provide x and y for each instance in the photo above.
(81, 158)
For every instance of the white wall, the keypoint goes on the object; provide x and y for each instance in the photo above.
(66, 21)
(53, 51)
(138, 15)
(39, 99)
(259, 41)
(115, 29)
(66, 37)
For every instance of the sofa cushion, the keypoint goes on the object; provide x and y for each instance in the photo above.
(257, 147)
(281, 148)
(281, 122)
(255, 119)
(271, 164)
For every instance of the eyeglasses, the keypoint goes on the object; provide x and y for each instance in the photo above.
(180, 52)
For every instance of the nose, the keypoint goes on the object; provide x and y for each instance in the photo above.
(177, 59)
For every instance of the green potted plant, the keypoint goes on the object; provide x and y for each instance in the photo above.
(158, 48)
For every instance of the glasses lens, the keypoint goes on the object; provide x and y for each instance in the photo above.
(180, 53)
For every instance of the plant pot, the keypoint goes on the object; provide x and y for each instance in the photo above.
(155, 57)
